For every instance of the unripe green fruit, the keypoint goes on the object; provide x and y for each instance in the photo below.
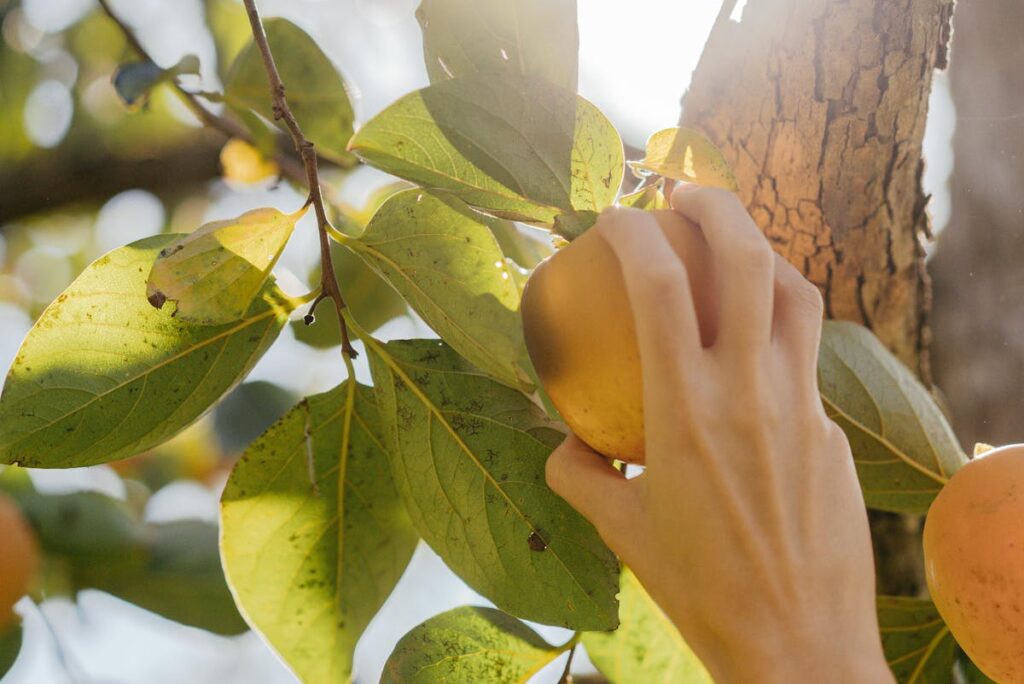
(582, 340)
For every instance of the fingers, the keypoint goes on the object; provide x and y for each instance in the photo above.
(798, 315)
(744, 264)
(659, 293)
(591, 485)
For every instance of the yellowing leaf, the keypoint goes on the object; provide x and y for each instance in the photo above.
(646, 647)
(686, 155)
(215, 273)
(650, 198)
(244, 163)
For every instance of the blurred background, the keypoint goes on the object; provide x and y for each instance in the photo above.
(80, 175)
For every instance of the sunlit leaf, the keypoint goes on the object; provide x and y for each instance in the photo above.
(519, 148)
(468, 455)
(649, 198)
(524, 37)
(904, 449)
(316, 92)
(686, 155)
(103, 375)
(468, 645)
(314, 534)
(918, 646)
(443, 258)
(244, 163)
(134, 81)
(646, 647)
(229, 27)
(214, 274)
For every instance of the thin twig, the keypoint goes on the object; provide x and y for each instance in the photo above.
(307, 151)
(290, 168)
(566, 677)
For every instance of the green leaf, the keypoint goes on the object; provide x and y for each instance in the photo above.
(468, 455)
(367, 296)
(443, 258)
(10, 647)
(686, 155)
(904, 449)
(214, 274)
(918, 646)
(519, 245)
(468, 645)
(316, 92)
(518, 148)
(646, 647)
(310, 564)
(103, 375)
(524, 37)
(172, 569)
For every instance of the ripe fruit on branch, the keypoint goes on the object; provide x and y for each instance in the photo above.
(19, 559)
(581, 337)
(974, 561)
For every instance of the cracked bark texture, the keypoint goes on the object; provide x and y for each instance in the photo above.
(820, 107)
(979, 262)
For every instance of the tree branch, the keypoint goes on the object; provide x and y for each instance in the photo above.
(307, 151)
(76, 172)
(288, 165)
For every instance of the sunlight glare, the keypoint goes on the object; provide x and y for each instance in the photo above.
(635, 64)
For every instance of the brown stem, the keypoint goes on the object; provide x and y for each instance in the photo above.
(307, 151)
(566, 677)
(290, 168)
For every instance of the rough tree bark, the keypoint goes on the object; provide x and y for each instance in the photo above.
(979, 263)
(820, 106)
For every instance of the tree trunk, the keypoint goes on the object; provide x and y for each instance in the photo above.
(820, 107)
(979, 262)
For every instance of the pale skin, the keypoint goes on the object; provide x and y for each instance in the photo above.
(748, 526)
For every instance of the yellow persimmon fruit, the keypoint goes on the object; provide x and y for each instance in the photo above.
(974, 561)
(581, 337)
(19, 559)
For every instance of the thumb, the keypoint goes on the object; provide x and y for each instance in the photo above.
(591, 485)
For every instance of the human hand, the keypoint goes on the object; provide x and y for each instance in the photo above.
(748, 526)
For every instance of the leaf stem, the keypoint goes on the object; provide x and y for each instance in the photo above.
(307, 151)
(289, 166)
(566, 677)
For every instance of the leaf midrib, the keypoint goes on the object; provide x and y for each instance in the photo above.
(149, 370)
(438, 414)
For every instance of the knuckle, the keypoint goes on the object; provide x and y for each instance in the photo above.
(661, 278)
